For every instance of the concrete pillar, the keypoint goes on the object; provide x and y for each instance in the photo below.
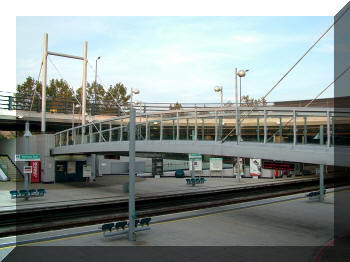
(321, 183)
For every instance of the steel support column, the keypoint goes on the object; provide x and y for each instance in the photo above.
(132, 212)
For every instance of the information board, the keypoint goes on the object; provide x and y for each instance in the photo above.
(86, 171)
(215, 164)
(197, 164)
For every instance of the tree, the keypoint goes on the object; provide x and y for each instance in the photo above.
(115, 97)
(176, 106)
(59, 88)
(25, 93)
(251, 102)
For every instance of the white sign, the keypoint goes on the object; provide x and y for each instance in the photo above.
(86, 171)
(194, 156)
(27, 170)
(71, 167)
(216, 164)
(255, 167)
(197, 164)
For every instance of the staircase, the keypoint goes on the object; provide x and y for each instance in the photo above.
(9, 168)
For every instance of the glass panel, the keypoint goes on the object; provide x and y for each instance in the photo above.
(227, 125)
(341, 126)
(115, 133)
(252, 127)
(57, 140)
(169, 129)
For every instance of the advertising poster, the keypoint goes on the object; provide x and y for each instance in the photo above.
(71, 167)
(255, 167)
(35, 175)
(235, 169)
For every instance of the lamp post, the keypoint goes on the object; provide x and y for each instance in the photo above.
(241, 74)
(133, 91)
(219, 89)
(96, 78)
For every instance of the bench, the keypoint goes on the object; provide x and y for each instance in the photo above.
(315, 194)
(122, 227)
(23, 193)
(197, 180)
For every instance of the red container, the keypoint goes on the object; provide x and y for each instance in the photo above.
(35, 176)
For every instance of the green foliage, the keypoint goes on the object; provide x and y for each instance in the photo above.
(59, 88)
(252, 102)
(27, 88)
(176, 106)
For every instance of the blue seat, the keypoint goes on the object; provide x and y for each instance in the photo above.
(23, 193)
(41, 192)
(32, 192)
(145, 221)
(136, 222)
(14, 193)
(120, 225)
(202, 180)
(188, 181)
(108, 226)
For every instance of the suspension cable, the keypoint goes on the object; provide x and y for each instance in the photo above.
(308, 104)
(107, 91)
(34, 90)
(279, 81)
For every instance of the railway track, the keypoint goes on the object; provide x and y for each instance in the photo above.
(31, 221)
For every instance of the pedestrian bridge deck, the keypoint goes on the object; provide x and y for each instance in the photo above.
(283, 133)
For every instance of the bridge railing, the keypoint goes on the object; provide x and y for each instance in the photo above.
(262, 125)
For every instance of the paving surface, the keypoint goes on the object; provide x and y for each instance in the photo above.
(283, 221)
(108, 188)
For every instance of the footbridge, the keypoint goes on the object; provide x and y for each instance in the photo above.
(297, 134)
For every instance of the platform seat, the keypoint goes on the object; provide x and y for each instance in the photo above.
(33, 192)
(202, 180)
(188, 181)
(120, 225)
(41, 192)
(108, 226)
(314, 194)
(137, 221)
(14, 193)
(23, 193)
(145, 221)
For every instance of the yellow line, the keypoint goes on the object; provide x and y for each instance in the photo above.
(170, 221)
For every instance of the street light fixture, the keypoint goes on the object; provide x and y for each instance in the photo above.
(96, 77)
(219, 89)
(133, 91)
(241, 74)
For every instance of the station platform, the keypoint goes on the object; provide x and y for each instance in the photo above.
(283, 221)
(110, 188)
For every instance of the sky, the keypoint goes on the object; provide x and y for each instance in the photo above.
(182, 58)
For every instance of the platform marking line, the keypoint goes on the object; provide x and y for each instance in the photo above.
(169, 221)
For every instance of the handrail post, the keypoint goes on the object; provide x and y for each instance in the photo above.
(216, 126)
(147, 133)
(110, 131)
(100, 132)
(195, 126)
(294, 128)
(177, 126)
(265, 127)
(328, 129)
(161, 127)
(121, 129)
